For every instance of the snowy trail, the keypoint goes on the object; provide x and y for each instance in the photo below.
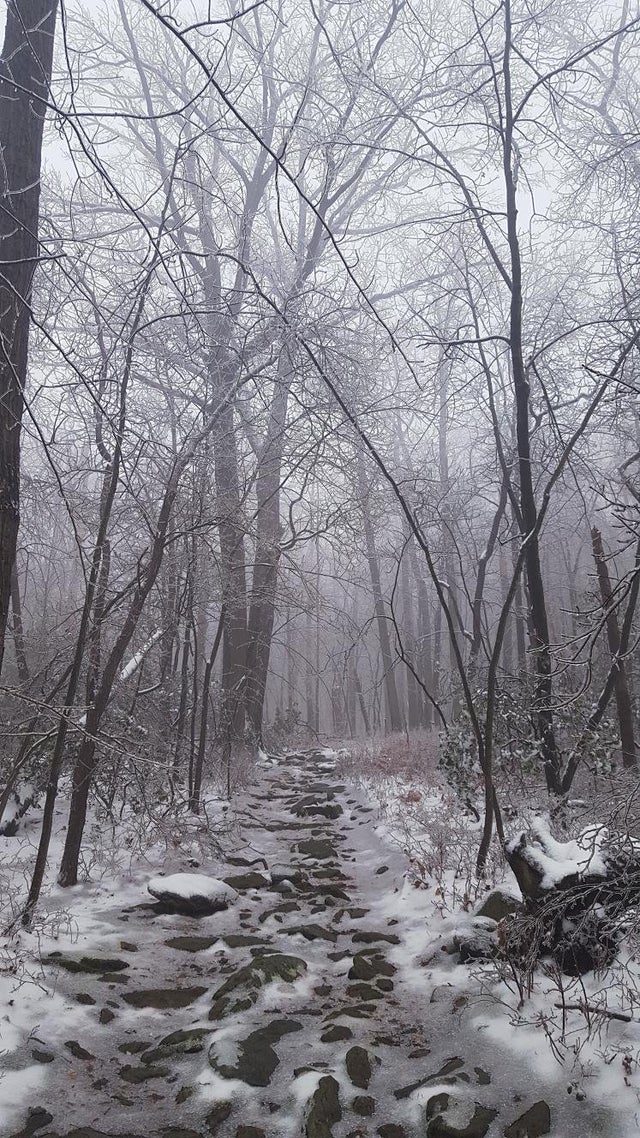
(298, 1011)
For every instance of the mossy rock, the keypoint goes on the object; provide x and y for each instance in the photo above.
(358, 1066)
(534, 1123)
(325, 1109)
(318, 848)
(90, 964)
(241, 990)
(217, 1115)
(143, 1074)
(452, 1116)
(312, 932)
(164, 999)
(252, 880)
(257, 1057)
(191, 943)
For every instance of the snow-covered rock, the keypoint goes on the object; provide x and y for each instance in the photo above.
(194, 894)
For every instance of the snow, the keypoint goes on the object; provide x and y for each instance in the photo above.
(192, 885)
(557, 860)
(135, 661)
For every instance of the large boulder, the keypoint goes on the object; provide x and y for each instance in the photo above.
(499, 904)
(192, 894)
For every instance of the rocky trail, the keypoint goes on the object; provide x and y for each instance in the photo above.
(297, 1011)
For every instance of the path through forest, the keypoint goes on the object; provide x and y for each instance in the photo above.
(301, 1010)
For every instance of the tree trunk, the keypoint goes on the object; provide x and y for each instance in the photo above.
(267, 556)
(621, 687)
(18, 631)
(25, 74)
(394, 716)
(542, 711)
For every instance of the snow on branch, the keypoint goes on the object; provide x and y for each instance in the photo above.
(135, 661)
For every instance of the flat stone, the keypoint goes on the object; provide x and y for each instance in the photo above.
(90, 964)
(391, 1130)
(143, 1074)
(242, 881)
(366, 936)
(85, 998)
(535, 1122)
(241, 990)
(450, 1116)
(358, 1067)
(364, 1105)
(312, 932)
(325, 1109)
(163, 998)
(77, 1051)
(318, 848)
(217, 1115)
(191, 943)
(257, 1058)
(364, 992)
(336, 1034)
(37, 1117)
(368, 966)
(42, 1056)
(239, 940)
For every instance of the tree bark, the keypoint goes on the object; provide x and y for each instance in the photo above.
(394, 715)
(621, 687)
(25, 74)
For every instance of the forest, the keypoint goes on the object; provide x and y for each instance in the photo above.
(319, 524)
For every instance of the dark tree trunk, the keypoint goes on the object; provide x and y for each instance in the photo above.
(394, 715)
(267, 556)
(18, 631)
(621, 687)
(25, 73)
(539, 624)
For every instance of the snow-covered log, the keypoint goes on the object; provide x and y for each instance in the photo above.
(580, 890)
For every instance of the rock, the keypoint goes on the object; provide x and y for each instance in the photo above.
(293, 873)
(257, 1058)
(127, 946)
(106, 1016)
(188, 1041)
(358, 1067)
(97, 964)
(250, 1132)
(336, 1034)
(325, 1109)
(499, 904)
(241, 990)
(253, 880)
(217, 1115)
(183, 1094)
(452, 1116)
(312, 932)
(134, 1047)
(77, 1051)
(238, 940)
(318, 848)
(192, 894)
(367, 966)
(382, 869)
(163, 998)
(535, 1122)
(191, 943)
(143, 1074)
(37, 1117)
(85, 998)
(364, 1105)
(478, 941)
(42, 1056)
(365, 936)
(364, 992)
(391, 1130)
(179, 1132)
